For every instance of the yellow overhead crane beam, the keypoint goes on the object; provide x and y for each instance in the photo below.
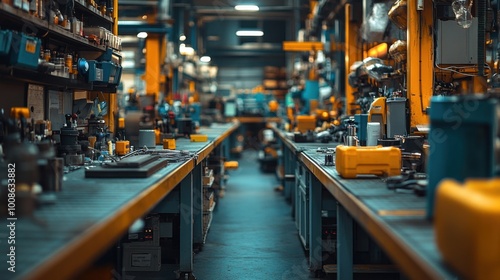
(292, 46)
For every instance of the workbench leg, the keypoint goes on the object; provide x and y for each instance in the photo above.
(296, 201)
(344, 244)
(186, 226)
(287, 170)
(226, 149)
(315, 225)
(291, 183)
(198, 204)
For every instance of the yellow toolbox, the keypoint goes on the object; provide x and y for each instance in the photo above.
(352, 161)
(198, 138)
(467, 224)
(305, 123)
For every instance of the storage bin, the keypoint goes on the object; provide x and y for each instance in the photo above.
(24, 51)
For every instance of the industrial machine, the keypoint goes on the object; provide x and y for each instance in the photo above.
(458, 125)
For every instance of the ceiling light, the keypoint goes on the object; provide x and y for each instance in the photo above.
(142, 35)
(205, 59)
(249, 8)
(130, 22)
(254, 33)
(182, 38)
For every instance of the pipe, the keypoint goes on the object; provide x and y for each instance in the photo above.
(481, 36)
(163, 10)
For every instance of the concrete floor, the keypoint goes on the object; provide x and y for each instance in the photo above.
(252, 235)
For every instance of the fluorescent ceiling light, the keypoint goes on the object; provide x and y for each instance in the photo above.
(205, 58)
(128, 64)
(182, 38)
(130, 22)
(142, 35)
(250, 8)
(255, 33)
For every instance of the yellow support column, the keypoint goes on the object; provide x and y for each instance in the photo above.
(420, 61)
(153, 63)
(352, 53)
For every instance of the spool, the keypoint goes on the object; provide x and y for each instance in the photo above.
(372, 133)
(147, 138)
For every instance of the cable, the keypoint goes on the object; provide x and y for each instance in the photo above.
(450, 69)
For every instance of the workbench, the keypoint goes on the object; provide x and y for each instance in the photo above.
(91, 215)
(395, 220)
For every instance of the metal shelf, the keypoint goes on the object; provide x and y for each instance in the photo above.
(30, 24)
(81, 6)
(32, 76)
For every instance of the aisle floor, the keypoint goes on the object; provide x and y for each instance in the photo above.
(253, 235)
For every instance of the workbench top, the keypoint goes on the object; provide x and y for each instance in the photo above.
(396, 220)
(90, 215)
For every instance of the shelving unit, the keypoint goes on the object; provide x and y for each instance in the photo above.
(57, 37)
(80, 6)
(18, 19)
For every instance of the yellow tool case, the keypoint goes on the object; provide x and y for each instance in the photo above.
(352, 161)
(467, 223)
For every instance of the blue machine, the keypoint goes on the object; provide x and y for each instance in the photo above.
(105, 70)
(195, 112)
(462, 140)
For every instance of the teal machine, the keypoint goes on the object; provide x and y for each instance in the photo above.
(462, 140)
(311, 92)
(106, 69)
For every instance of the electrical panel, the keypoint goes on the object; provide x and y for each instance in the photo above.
(143, 250)
(456, 45)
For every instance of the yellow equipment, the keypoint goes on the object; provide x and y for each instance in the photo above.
(121, 123)
(169, 143)
(351, 161)
(273, 106)
(18, 112)
(158, 136)
(467, 228)
(378, 113)
(122, 147)
(229, 165)
(305, 123)
(198, 138)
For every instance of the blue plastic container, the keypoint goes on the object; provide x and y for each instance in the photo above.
(24, 51)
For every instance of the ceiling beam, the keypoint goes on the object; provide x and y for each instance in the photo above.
(137, 3)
